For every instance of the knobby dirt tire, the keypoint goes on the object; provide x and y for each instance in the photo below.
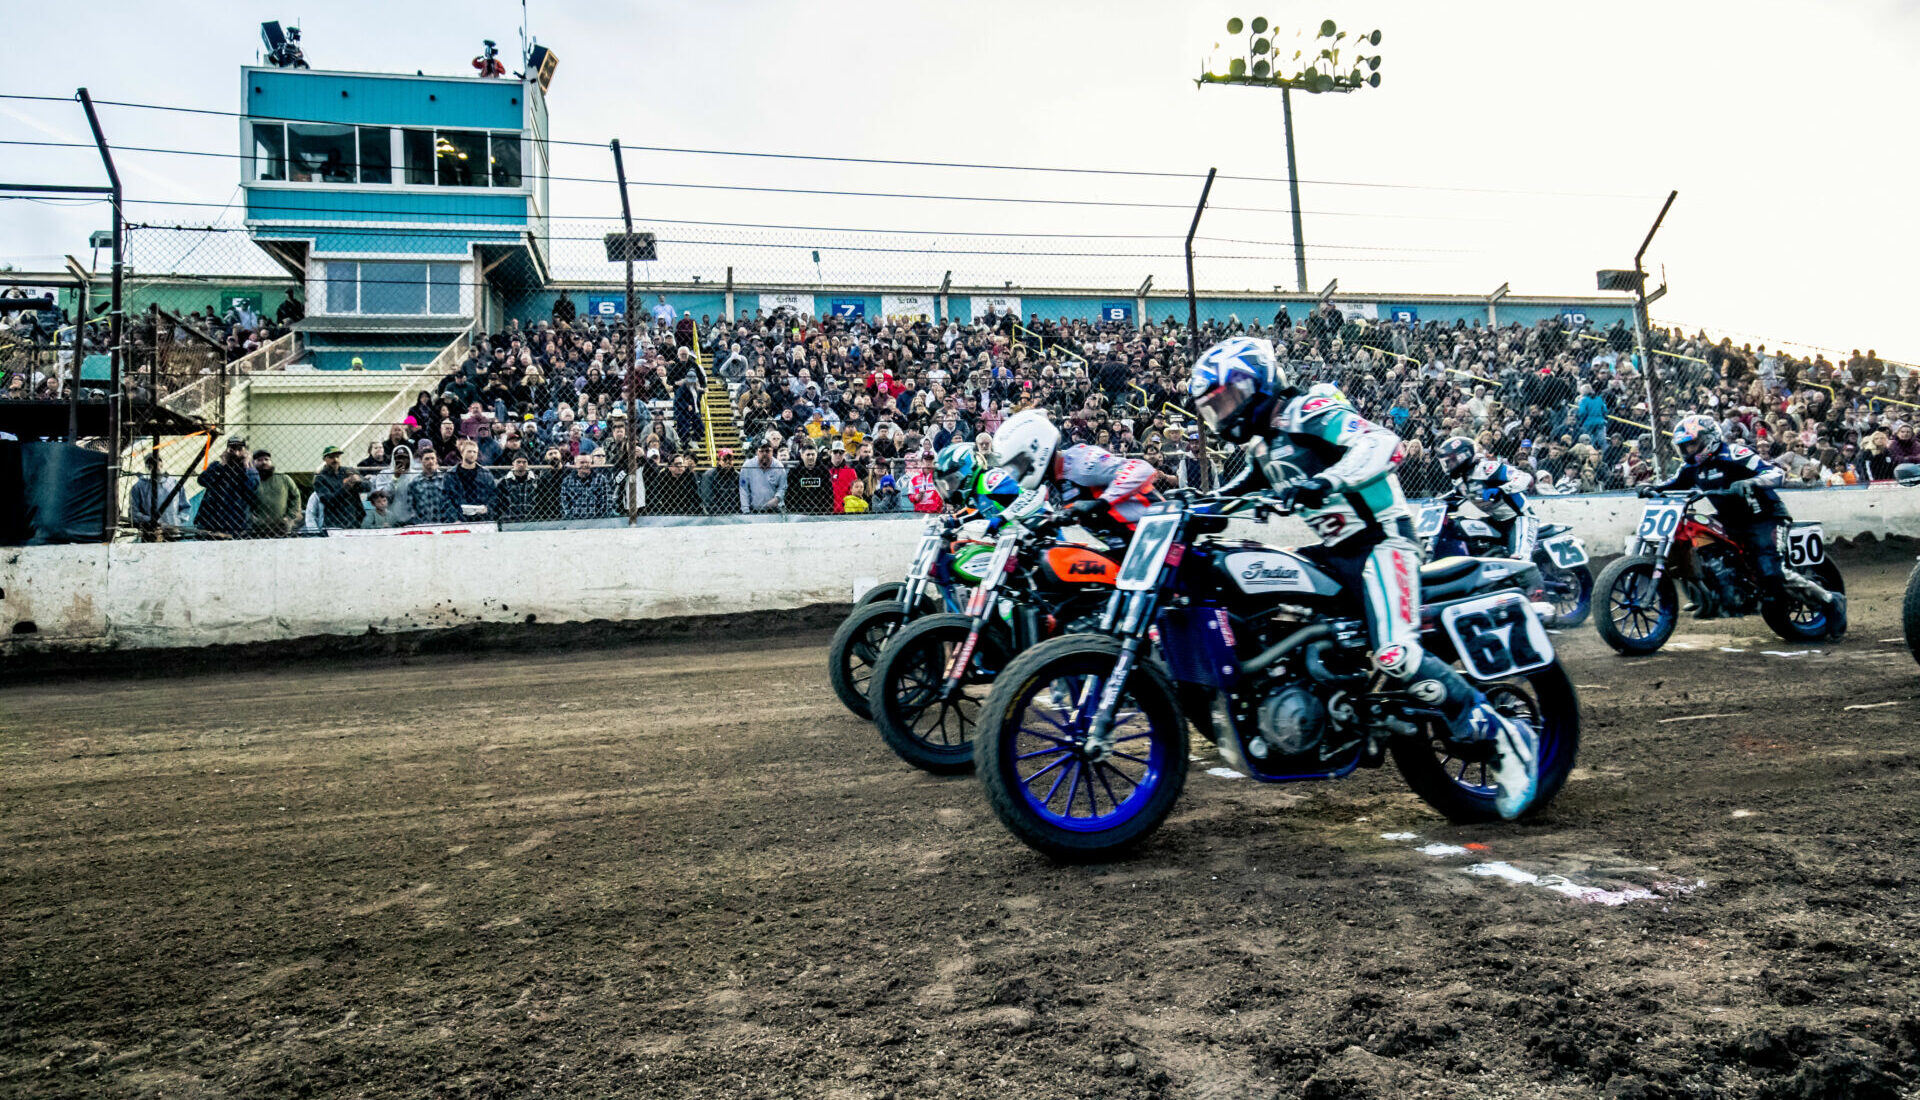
(1669, 604)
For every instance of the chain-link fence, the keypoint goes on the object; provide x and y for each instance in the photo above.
(406, 348)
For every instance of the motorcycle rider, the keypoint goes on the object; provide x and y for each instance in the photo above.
(1102, 491)
(1498, 489)
(967, 482)
(1741, 486)
(1336, 469)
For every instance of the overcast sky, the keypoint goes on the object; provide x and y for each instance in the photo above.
(1532, 143)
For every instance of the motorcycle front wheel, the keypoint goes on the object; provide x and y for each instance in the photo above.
(880, 593)
(854, 649)
(904, 695)
(1910, 613)
(1455, 779)
(1043, 787)
(1637, 614)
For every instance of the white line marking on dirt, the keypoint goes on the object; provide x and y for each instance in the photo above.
(1730, 649)
(1794, 653)
(1502, 869)
(1225, 773)
(1741, 813)
(1870, 706)
(1611, 895)
(1892, 640)
(1441, 850)
(1399, 836)
(1696, 718)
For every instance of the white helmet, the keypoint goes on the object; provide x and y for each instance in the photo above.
(1024, 447)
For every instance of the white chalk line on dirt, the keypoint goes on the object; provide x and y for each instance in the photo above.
(1696, 718)
(1871, 706)
(1613, 894)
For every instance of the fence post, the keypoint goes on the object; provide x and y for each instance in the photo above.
(626, 385)
(117, 323)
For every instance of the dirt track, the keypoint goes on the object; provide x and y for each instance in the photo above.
(684, 870)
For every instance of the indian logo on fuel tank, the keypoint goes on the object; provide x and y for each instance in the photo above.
(1262, 571)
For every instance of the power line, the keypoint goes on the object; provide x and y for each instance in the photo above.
(892, 161)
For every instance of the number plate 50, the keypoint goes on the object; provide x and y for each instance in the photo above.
(1661, 520)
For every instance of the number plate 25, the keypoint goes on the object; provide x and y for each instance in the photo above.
(1497, 636)
(1566, 550)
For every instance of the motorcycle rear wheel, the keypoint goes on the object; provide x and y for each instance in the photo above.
(1636, 616)
(1799, 621)
(1454, 779)
(932, 734)
(1574, 603)
(1025, 751)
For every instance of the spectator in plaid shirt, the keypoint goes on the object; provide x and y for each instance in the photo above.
(585, 493)
(517, 496)
(427, 496)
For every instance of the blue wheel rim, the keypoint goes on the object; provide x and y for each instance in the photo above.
(1640, 608)
(1057, 784)
(1514, 701)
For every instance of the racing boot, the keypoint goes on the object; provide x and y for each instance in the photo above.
(1515, 766)
(1836, 614)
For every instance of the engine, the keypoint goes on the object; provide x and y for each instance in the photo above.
(1726, 590)
(1292, 720)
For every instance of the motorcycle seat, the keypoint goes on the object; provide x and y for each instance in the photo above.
(1553, 529)
(1447, 570)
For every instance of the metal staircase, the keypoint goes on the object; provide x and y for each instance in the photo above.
(716, 407)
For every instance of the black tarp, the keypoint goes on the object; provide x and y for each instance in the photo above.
(51, 493)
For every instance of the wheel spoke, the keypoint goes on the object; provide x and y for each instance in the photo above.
(1135, 759)
(1099, 772)
(1058, 779)
(1040, 752)
(1029, 779)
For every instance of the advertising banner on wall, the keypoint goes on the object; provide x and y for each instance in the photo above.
(910, 307)
(1363, 311)
(796, 302)
(998, 304)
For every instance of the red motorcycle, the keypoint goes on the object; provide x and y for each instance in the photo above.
(1639, 600)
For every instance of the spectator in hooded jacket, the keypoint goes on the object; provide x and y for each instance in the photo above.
(809, 492)
(720, 486)
(226, 506)
(276, 503)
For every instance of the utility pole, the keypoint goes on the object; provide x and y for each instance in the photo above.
(1641, 329)
(627, 390)
(117, 321)
(1293, 195)
(1193, 306)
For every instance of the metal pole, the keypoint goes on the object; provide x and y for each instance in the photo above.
(79, 354)
(117, 322)
(1640, 334)
(152, 531)
(1193, 305)
(633, 332)
(1293, 189)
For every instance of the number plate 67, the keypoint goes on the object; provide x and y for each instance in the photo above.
(1498, 636)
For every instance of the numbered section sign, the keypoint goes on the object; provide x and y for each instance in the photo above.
(1116, 311)
(606, 305)
(849, 309)
(1406, 315)
(1573, 318)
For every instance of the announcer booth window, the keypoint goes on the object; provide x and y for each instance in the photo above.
(461, 156)
(269, 151)
(376, 154)
(505, 161)
(319, 153)
(405, 289)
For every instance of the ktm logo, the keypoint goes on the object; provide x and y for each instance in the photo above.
(1084, 568)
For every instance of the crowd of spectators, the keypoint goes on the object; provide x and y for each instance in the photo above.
(579, 418)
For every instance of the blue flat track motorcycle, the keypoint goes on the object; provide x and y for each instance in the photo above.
(1082, 743)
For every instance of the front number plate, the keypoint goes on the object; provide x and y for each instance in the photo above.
(1141, 569)
(1497, 636)
(1661, 520)
(1566, 551)
(1806, 545)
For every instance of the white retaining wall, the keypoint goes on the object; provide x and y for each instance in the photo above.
(206, 593)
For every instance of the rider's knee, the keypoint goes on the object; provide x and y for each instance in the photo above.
(1399, 660)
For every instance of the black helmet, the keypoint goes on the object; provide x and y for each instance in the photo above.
(1456, 455)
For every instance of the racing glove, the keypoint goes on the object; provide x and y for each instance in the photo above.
(1489, 493)
(1306, 492)
(1644, 491)
(1082, 510)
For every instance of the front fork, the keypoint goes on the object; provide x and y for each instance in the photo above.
(957, 668)
(1099, 743)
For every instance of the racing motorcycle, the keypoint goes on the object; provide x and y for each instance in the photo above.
(927, 685)
(947, 562)
(1673, 544)
(1082, 744)
(1566, 583)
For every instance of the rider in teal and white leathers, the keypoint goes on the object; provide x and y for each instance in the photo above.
(1337, 471)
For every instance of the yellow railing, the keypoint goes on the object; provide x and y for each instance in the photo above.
(1020, 328)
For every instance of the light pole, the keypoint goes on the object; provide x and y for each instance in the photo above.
(1316, 67)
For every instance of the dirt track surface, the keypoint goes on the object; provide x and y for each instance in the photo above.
(684, 870)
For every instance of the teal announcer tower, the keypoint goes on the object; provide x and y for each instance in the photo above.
(407, 206)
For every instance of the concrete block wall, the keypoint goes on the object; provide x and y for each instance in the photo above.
(137, 595)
